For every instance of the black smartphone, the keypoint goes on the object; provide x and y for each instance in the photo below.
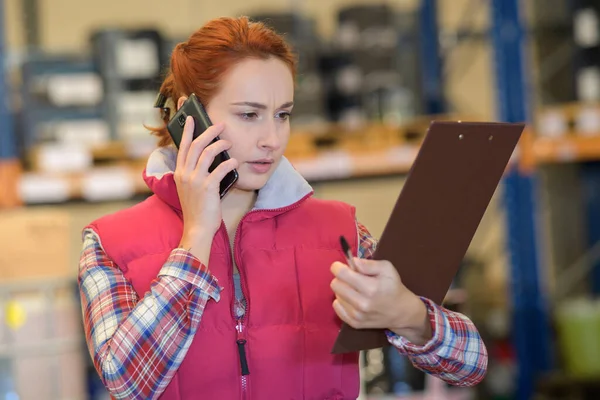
(193, 107)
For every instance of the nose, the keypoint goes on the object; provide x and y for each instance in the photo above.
(269, 139)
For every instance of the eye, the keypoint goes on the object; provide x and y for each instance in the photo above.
(284, 115)
(249, 116)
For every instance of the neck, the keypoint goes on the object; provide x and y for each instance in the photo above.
(236, 204)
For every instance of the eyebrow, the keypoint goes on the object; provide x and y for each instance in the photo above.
(261, 106)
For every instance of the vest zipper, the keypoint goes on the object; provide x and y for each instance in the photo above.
(241, 340)
(241, 343)
(240, 327)
(243, 361)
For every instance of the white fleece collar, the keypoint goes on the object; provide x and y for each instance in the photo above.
(285, 187)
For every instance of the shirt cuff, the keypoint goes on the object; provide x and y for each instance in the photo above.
(182, 264)
(439, 327)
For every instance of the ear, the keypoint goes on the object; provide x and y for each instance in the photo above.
(180, 102)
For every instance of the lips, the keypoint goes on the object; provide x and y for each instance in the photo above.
(261, 166)
(261, 162)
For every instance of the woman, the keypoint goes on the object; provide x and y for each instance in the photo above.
(189, 296)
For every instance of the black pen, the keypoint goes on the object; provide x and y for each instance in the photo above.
(347, 253)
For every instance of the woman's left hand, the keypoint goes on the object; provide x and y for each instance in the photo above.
(375, 297)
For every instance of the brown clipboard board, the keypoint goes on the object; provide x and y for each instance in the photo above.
(442, 202)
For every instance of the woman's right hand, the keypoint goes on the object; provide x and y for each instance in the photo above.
(198, 189)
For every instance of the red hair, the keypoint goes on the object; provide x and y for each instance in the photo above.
(199, 64)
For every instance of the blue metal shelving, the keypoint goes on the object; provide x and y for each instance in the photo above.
(589, 175)
(8, 145)
(433, 87)
(531, 327)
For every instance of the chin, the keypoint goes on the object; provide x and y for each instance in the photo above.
(251, 183)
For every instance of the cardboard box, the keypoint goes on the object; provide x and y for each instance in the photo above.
(34, 244)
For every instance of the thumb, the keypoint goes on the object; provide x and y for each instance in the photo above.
(368, 267)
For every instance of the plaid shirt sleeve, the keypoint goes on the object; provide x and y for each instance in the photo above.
(137, 344)
(456, 353)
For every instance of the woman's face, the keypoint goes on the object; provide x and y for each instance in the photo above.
(254, 102)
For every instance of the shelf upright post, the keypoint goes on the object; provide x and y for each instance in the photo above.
(589, 176)
(8, 145)
(431, 61)
(528, 289)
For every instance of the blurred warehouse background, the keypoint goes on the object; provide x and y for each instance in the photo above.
(78, 80)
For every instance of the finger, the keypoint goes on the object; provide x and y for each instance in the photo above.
(221, 171)
(200, 144)
(346, 293)
(186, 141)
(341, 312)
(208, 155)
(369, 267)
(354, 317)
(356, 280)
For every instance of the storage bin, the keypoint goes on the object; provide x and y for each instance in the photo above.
(578, 326)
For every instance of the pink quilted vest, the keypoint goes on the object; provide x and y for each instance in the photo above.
(283, 249)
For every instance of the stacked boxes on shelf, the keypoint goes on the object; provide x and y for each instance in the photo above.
(63, 103)
(586, 23)
(571, 104)
(79, 113)
(570, 119)
(368, 72)
(131, 65)
(63, 115)
(301, 33)
(552, 45)
(375, 73)
(343, 84)
(580, 118)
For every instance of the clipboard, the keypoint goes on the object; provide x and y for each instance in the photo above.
(442, 202)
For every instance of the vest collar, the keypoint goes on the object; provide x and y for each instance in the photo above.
(284, 188)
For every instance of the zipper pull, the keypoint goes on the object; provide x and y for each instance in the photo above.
(241, 343)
